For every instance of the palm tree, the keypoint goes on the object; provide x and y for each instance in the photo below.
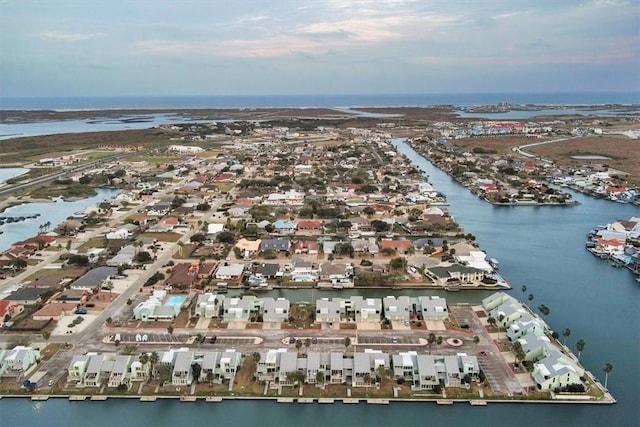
(170, 329)
(307, 342)
(566, 333)
(153, 359)
(298, 344)
(320, 377)
(430, 340)
(476, 340)
(523, 288)
(530, 297)
(544, 310)
(607, 370)
(519, 352)
(491, 321)
(580, 345)
(46, 335)
(501, 320)
(347, 341)
(144, 358)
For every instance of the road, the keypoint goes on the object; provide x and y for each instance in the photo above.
(520, 148)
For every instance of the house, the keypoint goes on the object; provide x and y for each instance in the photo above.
(77, 368)
(229, 272)
(121, 233)
(120, 371)
(182, 374)
(524, 326)
(397, 308)
(18, 361)
(208, 305)
(275, 310)
(94, 278)
(27, 295)
(400, 246)
(556, 371)
(153, 309)
(277, 245)
(454, 274)
(97, 369)
(309, 226)
(249, 248)
(494, 300)
(284, 227)
(337, 363)
(364, 310)
(287, 365)
(338, 274)
(267, 271)
(55, 311)
(306, 247)
(535, 347)
(123, 257)
(432, 308)
(366, 365)
(269, 364)
(240, 309)
(508, 312)
(328, 311)
(9, 309)
(215, 228)
(186, 275)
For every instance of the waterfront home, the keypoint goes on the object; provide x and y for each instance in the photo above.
(182, 373)
(229, 272)
(287, 365)
(366, 365)
(556, 371)
(328, 311)
(399, 246)
(97, 369)
(121, 233)
(397, 308)
(267, 270)
(268, 365)
(317, 366)
(208, 305)
(152, 309)
(139, 371)
(338, 274)
(95, 278)
(432, 308)
(240, 309)
(186, 275)
(535, 347)
(495, 300)
(338, 373)
(18, 361)
(524, 326)
(77, 368)
(454, 274)
(275, 310)
(120, 371)
(508, 312)
(364, 310)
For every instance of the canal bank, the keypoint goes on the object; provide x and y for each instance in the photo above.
(542, 247)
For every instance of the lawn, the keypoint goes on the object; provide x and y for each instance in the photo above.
(64, 273)
(162, 237)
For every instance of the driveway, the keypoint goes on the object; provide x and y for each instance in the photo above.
(399, 325)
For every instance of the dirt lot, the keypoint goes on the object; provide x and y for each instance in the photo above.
(415, 113)
(498, 145)
(624, 153)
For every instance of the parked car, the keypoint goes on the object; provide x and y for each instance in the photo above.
(314, 340)
(213, 339)
(81, 311)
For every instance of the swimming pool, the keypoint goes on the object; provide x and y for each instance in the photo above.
(175, 300)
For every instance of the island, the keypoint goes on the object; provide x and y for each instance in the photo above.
(295, 257)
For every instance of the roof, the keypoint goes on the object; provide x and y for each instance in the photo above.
(230, 270)
(26, 294)
(267, 270)
(94, 278)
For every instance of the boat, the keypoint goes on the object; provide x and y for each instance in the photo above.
(452, 289)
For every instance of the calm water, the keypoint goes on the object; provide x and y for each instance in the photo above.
(54, 212)
(540, 247)
(8, 173)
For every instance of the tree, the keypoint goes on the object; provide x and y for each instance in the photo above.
(225, 237)
(307, 342)
(153, 359)
(566, 333)
(320, 377)
(256, 357)
(501, 320)
(491, 321)
(523, 288)
(170, 329)
(399, 263)
(144, 358)
(143, 257)
(519, 352)
(196, 370)
(347, 341)
(608, 367)
(368, 211)
(430, 340)
(544, 310)
(46, 335)
(298, 344)
(580, 345)
(476, 340)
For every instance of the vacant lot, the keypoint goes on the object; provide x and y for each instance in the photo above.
(624, 153)
(494, 144)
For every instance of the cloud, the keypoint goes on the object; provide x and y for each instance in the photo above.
(606, 58)
(71, 37)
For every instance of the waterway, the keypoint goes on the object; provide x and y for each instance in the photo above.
(54, 212)
(542, 247)
(8, 173)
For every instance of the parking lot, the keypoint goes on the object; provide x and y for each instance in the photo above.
(155, 338)
(388, 340)
(230, 340)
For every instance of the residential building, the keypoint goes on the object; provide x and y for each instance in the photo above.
(397, 308)
(19, 361)
(208, 305)
(275, 310)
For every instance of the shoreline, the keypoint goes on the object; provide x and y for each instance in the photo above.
(608, 400)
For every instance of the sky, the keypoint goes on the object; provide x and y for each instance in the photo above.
(262, 47)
